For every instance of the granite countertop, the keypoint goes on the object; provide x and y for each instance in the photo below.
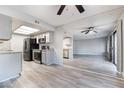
(9, 52)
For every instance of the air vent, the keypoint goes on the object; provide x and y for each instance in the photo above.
(36, 21)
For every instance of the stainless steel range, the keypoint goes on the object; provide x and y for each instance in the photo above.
(37, 56)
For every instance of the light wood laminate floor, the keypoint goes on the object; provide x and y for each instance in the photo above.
(97, 64)
(72, 74)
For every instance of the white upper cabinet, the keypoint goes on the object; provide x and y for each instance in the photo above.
(49, 37)
(5, 27)
(42, 35)
(67, 41)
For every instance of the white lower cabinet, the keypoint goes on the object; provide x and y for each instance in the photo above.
(10, 65)
(48, 56)
(43, 57)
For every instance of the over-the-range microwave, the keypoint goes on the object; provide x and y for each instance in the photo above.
(42, 40)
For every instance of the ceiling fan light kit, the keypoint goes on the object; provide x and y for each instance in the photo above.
(89, 29)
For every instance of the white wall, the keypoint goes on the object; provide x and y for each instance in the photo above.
(120, 45)
(17, 42)
(90, 46)
(58, 44)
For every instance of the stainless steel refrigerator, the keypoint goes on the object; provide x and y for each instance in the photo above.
(29, 45)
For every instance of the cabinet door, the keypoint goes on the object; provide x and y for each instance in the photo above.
(47, 37)
(49, 57)
(67, 41)
(42, 35)
(44, 57)
(5, 27)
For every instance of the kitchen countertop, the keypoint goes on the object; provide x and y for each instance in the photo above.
(9, 52)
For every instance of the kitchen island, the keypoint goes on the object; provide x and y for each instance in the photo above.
(10, 64)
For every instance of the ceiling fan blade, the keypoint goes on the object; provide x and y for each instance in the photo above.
(87, 32)
(95, 31)
(61, 9)
(84, 31)
(80, 8)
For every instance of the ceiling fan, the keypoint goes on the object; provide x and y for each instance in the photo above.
(90, 29)
(79, 7)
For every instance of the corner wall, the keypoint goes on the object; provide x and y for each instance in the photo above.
(58, 44)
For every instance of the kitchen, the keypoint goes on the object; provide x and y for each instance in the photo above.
(17, 46)
(39, 49)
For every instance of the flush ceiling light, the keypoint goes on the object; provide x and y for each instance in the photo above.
(25, 30)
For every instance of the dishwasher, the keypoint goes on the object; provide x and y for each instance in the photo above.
(43, 56)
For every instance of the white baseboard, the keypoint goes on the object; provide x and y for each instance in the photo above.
(10, 78)
(88, 55)
(120, 74)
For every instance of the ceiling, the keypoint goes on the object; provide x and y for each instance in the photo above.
(103, 21)
(102, 16)
(48, 12)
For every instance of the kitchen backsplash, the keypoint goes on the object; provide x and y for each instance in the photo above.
(5, 45)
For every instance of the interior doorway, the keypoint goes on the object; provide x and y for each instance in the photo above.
(113, 48)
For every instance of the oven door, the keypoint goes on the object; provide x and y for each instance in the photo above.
(37, 56)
